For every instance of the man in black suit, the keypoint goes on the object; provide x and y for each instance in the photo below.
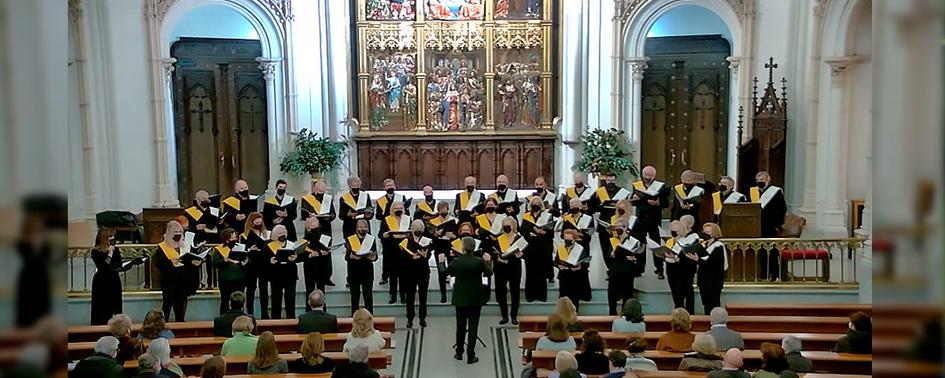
(468, 295)
(317, 320)
(102, 363)
(223, 324)
(357, 366)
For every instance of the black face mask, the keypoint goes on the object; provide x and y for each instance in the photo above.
(619, 231)
(362, 232)
(611, 185)
(705, 236)
(723, 188)
(502, 188)
(674, 233)
(444, 214)
(569, 242)
(506, 229)
(465, 234)
(309, 234)
(470, 188)
(231, 243)
(177, 237)
(244, 193)
(647, 181)
(429, 198)
(355, 191)
(536, 208)
(762, 184)
(539, 190)
(579, 185)
(490, 209)
(390, 190)
(282, 238)
(417, 233)
(111, 241)
(621, 212)
(574, 210)
(205, 204)
(280, 192)
(688, 186)
(398, 213)
(257, 226)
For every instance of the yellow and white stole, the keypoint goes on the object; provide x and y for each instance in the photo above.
(169, 251)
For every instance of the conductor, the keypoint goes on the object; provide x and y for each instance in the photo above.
(468, 295)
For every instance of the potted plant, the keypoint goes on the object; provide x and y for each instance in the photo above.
(604, 152)
(313, 155)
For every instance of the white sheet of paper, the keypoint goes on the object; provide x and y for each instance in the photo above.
(362, 202)
(575, 254)
(266, 235)
(519, 245)
(215, 211)
(404, 223)
(586, 195)
(200, 255)
(631, 222)
(497, 224)
(424, 241)
(253, 197)
(325, 208)
(366, 245)
(585, 222)
(325, 240)
(188, 242)
(694, 192)
(543, 219)
(509, 197)
(652, 244)
(485, 281)
(473, 201)
(631, 244)
(733, 197)
(622, 194)
(238, 247)
(654, 188)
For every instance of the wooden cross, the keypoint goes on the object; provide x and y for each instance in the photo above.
(200, 112)
(252, 110)
(771, 65)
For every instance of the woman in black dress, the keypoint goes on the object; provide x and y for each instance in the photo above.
(176, 274)
(573, 280)
(106, 284)
(316, 261)
(256, 237)
(538, 254)
(712, 267)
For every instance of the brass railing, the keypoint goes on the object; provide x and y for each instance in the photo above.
(826, 261)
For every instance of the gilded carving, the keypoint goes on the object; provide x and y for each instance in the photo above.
(398, 36)
(518, 35)
(455, 36)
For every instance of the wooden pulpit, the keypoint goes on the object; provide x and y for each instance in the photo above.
(741, 220)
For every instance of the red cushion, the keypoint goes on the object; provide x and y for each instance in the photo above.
(804, 254)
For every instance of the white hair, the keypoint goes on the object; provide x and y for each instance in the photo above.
(791, 344)
(107, 345)
(718, 315)
(358, 354)
(160, 350)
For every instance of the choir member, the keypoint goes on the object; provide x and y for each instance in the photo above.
(623, 249)
(725, 195)
(507, 199)
(576, 219)
(578, 191)
(540, 239)
(574, 282)
(468, 203)
(712, 267)
(106, 283)
(444, 232)
(256, 238)
(283, 275)
(316, 262)
(425, 209)
(236, 208)
(352, 208)
(202, 219)
(687, 197)
(194, 274)
(175, 274)
(232, 274)
(548, 197)
(604, 204)
(385, 203)
(394, 228)
(487, 240)
(650, 197)
(281, 209)
(312, 206)
(773, 210)
(681, 262)
(360, 267)
(508, 270)
(416, 268)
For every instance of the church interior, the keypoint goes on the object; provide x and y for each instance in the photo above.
(502, 188)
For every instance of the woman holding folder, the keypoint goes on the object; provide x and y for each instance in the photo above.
(443, 228)
(174, 272)
(361, 252)
(230, 261)
(681, 256)
(416, 267)
(316, 259)
(573, 262)
(255, 238)
(623, 251)
(538, 230)
(508, 269)
(283, 273)
(712, 266)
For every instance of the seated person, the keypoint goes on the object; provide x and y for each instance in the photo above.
(566, 309)
(128, 348)
(725, 338)
(267, 360)
(636, 360)
(148, 367)
(679, 338)
(618, 361)
(556, 337)
(592, 360)
(243, 343)
(154, 326)
(773, 363)
(317, 320)
(859, 337)
(792, 352)
(703, 357)
(363, 333)
(213, 367)
(631, 319)
(160, 350)
(222, 324)
(357, 365)
(731, 366)
(312, 361)
(565, 366)
(102, 363)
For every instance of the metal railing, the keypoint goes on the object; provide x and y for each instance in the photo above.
(794, 261)
(138, 277)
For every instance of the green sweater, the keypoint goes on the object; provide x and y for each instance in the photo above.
(240, 344)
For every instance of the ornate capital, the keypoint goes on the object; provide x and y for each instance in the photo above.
(734, 62)
(638, 67)
(623, 9)
(743, 8)
(282, 9)
(75, 10)
(268, 67)
(156, 9)
(168, 65)
(820, 7)
(840, 65)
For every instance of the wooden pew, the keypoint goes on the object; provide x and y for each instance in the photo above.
(199, 346)
(823, 362)
(837, 309)
(700, 323)
(205, 328)
(545, 373)
(237, 365)
(287, 375)
(887, 367)
(753, 340)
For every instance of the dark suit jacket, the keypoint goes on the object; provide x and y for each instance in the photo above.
(468, 270)
(317, 321)
(798, 363)
(728, 374)
(223, 324)
(98, 365)
(355, 370)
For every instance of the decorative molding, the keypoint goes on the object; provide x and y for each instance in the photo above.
(518, 35)
(638, 67)
(840, 65)
(399, 36)
(820, 7)
(743, 8)
(168, 65)
(75, 10)
(624, 9)
(455, 36)
(734, 62)
(268, 67)
(156, 9)
(282, 9)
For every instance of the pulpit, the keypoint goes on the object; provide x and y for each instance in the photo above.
(741, 220)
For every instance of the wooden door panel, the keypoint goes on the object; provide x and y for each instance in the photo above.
(252, 136)
(198, 168)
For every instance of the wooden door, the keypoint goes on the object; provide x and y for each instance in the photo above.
(219, 116)
(685, 106)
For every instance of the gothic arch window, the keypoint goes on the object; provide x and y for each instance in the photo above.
(199, 109)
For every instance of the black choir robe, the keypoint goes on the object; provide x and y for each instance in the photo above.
(425, 210)
(234, 205)
(549, 198)
(679, 195)
(574, 284)
(460, 203)
(316, 266)
(258, 265)
(199, 215)
(274, 203)
(347, 204)
(651, 215)
(711, 268)
(538, 256)
(604, 205)
(772, 211)
(511, 205)
(106, 285)
(572, 192)
(385, 202)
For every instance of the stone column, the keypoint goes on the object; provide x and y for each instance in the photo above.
(734, 63)
(165, 193)
(637, 68)
(277, 133)
(832, 150)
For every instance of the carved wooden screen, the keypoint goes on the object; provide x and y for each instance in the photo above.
(769, 128)
(463, 68)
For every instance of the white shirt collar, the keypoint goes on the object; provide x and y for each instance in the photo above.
(719, 325)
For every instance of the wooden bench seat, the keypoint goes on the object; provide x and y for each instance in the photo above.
(823, 362)
(836, 309)
(753, 340)
(205, 328)
(545, 373)
(700, 323)
(199, 346)
(287, 375)
(237, 365)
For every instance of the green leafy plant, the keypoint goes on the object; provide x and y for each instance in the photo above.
(313, 155)
(606, 151)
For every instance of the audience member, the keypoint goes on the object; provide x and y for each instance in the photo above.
(859, 337)
(102, 363)
(565, 365)
(592, 360)
(725, 338)
(160, 350)
(773, 363)
(617, 364)
(631, 320)
(731, 366)
(556, 337)
(148, 367)
(565, 308)
(679, 338)
(636, 360)
(312, 361)
(242, 342)
(317, 320)
(213, 367)
(703, 357)
(129, 348)
(154, 327)
(357, 367)
(792, 352)
(363, 333)
(266, 360)
(222, 325)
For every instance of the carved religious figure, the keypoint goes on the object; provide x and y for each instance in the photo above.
(455, 91)
(508, 93)
(517, 9)
(391, 76)
(389, 10)
(454, 9)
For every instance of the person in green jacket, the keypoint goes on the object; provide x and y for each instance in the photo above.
(232, 278)
(468, 294)
(243, 343)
